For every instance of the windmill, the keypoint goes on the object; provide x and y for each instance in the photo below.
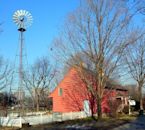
(23, 19)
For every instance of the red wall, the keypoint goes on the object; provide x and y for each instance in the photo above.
(74, 93)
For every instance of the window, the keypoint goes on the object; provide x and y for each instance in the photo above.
(60, 91)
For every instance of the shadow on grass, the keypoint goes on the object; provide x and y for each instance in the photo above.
(138, 123)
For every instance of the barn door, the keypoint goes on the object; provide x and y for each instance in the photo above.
(87, 107)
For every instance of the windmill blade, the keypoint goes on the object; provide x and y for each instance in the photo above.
(22, 14)
(16, 13)
(29, 17)
(19, 13)
(26, 12)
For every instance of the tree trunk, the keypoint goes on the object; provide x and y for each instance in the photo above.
(92, 114)
(140, 97)
(37, 103)
(37, 107)
(46, 103)
(99, 109)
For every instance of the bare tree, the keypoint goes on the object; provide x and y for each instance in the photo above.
(38, 81)
(135, 60)
(100, 30)
(5, 74)
(133, 91)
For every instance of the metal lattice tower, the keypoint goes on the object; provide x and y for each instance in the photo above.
(22, 19)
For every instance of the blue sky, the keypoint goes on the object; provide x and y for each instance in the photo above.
(48, 17)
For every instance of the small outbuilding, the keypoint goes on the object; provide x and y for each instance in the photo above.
(71, 95)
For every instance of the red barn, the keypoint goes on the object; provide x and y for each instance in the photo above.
(71, 95)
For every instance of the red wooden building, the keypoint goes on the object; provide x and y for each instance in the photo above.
(71, 95)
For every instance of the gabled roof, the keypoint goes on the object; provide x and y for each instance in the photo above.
(116, 87)
(70, 72)
(73, 70)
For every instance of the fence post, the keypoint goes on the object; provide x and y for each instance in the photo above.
(83, 114)
(62, 117)
(52, 117)
(71, 115)
(41, 118)
(20, 122)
